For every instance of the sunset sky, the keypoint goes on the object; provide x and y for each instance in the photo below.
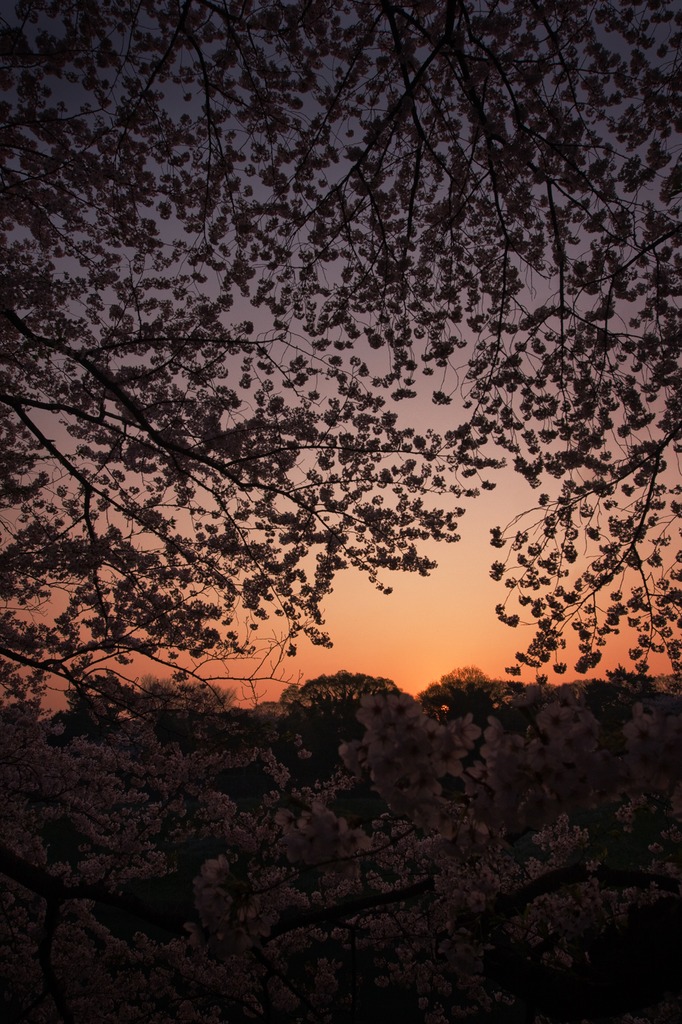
(430, 625)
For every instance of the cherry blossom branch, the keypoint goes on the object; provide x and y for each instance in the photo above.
(55, 891)
(511, 904)
(351, 908)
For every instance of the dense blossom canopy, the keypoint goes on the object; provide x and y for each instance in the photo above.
(213, 214)
(468, 883)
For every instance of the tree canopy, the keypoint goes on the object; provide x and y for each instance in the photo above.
(237, 238)
(322, 713)
(342, 690)
(460, 692)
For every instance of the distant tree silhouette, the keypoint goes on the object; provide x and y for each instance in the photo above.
(633, 683)
(460, 692)
(469, 690)
(323, 711)
(180, 712)
(336, 694)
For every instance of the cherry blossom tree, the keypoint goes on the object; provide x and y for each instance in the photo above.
(298, 910)
(236, 239)
(237, 242)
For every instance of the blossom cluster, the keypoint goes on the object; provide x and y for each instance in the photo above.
(510, 780)
(408, 755)
(234, 917)
(423, 892)
(317, 836)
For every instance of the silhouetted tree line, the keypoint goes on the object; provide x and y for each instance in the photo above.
(310, 720)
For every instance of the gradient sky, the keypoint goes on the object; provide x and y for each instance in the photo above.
(427, 626)
(430, 625)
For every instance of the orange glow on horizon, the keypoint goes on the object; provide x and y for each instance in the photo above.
(431, 625)
(425, 628)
